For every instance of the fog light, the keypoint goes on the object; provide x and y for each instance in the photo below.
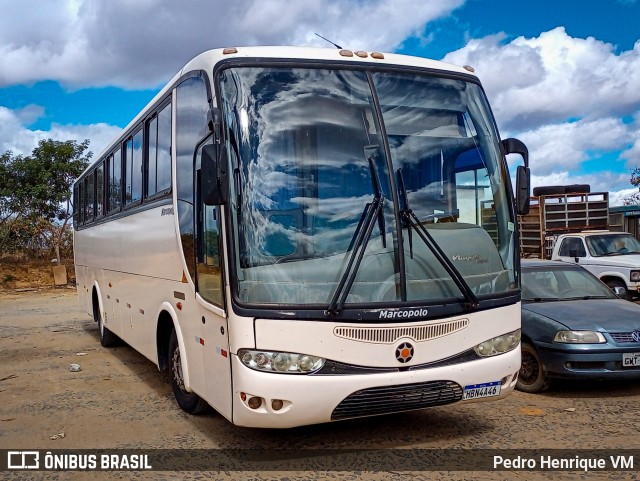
(254, 402)
(277, 404)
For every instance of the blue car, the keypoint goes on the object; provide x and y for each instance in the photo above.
(574, 326)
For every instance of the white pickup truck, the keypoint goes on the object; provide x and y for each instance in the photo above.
(614, 257)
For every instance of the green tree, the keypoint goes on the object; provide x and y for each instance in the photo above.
(635, 181)
(38, 187)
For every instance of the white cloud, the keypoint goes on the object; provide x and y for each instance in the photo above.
(142, 43)
(553, 77)
(568, 145)
(619, 197)
(564, 96)
(17, 138)
(566, 99)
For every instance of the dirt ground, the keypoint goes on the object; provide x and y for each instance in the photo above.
(28, 274)
(120, 400)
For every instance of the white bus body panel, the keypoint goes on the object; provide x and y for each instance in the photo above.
(141, 269)
(312, 398)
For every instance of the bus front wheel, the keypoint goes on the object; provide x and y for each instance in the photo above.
(188, 401)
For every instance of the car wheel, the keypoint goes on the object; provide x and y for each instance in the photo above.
(618, 283)
(188, 401)
(531, 377)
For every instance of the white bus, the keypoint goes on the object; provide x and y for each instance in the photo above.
(303, 235)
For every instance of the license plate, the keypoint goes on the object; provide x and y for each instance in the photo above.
(631, 359)
(487, 389)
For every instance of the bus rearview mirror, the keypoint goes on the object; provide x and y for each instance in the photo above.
(214, 179)
(523, 176)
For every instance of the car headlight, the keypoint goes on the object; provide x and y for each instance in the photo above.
(634, 276)
(498, 345)
(579, 337)
(284, 362)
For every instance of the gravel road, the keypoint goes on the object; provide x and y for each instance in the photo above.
(120, 400)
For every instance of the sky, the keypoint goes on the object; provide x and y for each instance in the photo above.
(563, 76)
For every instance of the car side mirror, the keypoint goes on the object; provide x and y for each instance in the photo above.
(574, 253)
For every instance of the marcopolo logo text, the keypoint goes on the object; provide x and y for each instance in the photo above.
(403, 314)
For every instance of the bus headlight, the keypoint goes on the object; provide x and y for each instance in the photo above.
(285, 362)
(498, 345)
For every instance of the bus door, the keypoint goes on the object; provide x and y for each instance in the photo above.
(210, 289)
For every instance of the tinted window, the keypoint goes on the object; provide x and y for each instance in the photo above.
(164, 149)
(136, 168)
(191, 126)
(81, 202)
(76, 199)
(100, 191)
(152, 135)
(89, 197)
(115, 181)
(572, 244)
(159, 158)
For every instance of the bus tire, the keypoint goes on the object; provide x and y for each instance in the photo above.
(189, 402)
(107, 338)
(531, 377)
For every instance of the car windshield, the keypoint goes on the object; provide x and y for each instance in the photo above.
(317, 155)
(612, 245)
(560, 283)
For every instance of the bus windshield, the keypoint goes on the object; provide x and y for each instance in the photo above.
(355, 188)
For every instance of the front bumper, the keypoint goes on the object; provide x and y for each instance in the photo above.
(312, 399)
(587, 361)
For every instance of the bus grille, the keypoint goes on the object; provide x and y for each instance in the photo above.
(393, 399)
(389, 335)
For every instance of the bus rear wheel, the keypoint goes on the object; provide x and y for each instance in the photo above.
(188, 401)
(107, 338)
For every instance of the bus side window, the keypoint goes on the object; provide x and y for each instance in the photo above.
(114, 181)
(133, 173)
(158, 157)
(89, 197)
(100, 191)
(209, 265)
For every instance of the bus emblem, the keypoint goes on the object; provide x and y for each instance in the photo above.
(404, 352)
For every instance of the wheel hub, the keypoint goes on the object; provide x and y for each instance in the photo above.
(177, 369)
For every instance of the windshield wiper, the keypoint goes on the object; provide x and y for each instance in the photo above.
(372, 211)
(412, 221)
(540, 299)
(582, 298)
